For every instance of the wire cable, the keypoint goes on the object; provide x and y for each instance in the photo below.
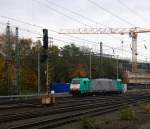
(82, 16)
(111, 13)
(27, 30)
(133, 11)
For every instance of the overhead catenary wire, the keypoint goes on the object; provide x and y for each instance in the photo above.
(89, 41)
(111, 13)
(141, 17)
(37, 26)
(72, 17)
(41, 27)
(61, 13)
(27, 30)
(76, 13)
(33, 32)
(82, 16)
(36, 33)
(30, 31)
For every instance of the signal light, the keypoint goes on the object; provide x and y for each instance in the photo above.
(45, 38)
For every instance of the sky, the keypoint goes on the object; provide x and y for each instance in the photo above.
(61, 14)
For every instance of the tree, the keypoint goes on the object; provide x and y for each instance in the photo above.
(79, 71)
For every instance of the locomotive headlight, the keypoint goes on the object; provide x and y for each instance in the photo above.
(74, 86)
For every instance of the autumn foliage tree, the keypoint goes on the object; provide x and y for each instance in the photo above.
(79, 71)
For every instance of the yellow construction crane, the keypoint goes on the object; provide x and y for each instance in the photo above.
(133, 33)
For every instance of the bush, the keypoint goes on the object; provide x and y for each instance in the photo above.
(127, 113)
(145, 107)
(87, 123)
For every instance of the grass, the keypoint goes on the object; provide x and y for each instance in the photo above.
(144, 107)
(129, 117)
(127, 113)
(87, 123)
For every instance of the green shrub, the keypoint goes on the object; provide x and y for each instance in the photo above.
(87, 123)
(127, 113)
(145, 107)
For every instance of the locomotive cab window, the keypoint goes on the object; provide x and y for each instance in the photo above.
(75, 81)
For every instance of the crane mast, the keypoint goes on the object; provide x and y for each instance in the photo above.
(133, 33)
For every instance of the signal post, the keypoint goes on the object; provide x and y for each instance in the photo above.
(49, 98)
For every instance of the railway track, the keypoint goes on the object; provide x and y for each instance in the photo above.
(11, 103)
(64, 103)
(59, 109)
(36, 102)
(22, 101)
(6, 110)
(4, 117)
(69, 113)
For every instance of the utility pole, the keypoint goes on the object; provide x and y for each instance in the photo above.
(50, 66)
(90, 65)
(117, 62)
(17, 58)
(101, 53)
(8, 57)
(39, 71)
(47, 81)
(45, 46)
(122, 47)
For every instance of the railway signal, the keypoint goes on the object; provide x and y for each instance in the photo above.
(48, 98)
(44, 54)
(45, 38)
